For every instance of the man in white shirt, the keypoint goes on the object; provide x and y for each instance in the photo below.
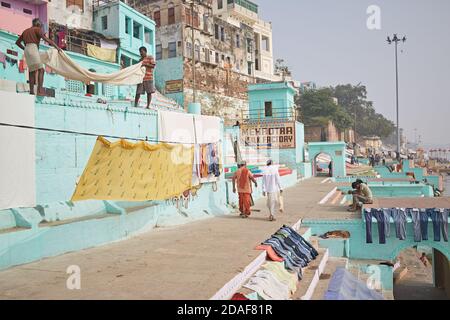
(272, 188)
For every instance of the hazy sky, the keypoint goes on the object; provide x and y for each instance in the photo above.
(328, 42)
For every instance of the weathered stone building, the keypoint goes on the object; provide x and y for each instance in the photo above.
(231, 45)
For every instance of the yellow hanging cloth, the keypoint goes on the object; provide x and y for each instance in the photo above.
(125, 171)
(101, 53)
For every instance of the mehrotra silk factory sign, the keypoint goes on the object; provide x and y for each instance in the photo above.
(270, 135)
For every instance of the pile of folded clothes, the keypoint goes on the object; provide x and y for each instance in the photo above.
(289, 252)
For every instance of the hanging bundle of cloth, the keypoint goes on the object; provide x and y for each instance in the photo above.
(420, 219)
(135, 172)
(207, 164)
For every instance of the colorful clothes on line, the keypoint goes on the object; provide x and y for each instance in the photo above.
(135, 172)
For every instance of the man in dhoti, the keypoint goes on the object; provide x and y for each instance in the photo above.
(31, 37)
(244, 177)
(272, 189)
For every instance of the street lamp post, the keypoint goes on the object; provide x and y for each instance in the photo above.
(194, 93)
(396, 40)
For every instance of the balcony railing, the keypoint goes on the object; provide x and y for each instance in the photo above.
(245, 4)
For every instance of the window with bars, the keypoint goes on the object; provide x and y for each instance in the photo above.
(137, 30)
(108, 90)
(188, 49)
(171, 15)
(75, 86)
(158, 52)
(188, 16)
(157, 18)
(197, 52)
(148, 36)
(127, 25)
(172, 49)
(222, 34)
(104, 22)
(216, 32)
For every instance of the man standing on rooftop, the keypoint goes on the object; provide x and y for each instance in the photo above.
(31, 37)
(147, 86)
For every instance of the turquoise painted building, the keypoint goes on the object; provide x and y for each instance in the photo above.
(271, 101)
(10, 70)
(118, 20)
(336, 150)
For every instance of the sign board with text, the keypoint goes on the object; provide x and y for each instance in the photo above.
(174, 86)
(269, 135)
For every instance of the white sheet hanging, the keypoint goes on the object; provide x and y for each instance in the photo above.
(176, 127)
(208, 129)
(17, 160)
(179, 128)
(63, 65)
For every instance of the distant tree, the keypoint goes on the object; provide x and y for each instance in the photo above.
(318, 107)
(353, 100)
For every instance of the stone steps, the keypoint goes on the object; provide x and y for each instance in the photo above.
(311, 275)
(325, 277)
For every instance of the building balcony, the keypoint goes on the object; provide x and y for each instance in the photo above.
(243, 10)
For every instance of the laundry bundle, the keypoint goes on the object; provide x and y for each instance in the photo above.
(420, 220)
(278, 279)
(206, 163)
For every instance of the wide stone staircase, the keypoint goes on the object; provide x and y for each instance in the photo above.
(316, 276)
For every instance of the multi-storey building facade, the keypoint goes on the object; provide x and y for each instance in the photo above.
(226, 39)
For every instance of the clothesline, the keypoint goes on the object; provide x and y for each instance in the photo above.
(91, 134)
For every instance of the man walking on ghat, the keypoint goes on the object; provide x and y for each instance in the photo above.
(31, 37)
(243, 176)
(147, 86)
(272, 189)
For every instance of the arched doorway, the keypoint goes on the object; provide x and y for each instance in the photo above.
(323, 165)
(334, 150)
(423, 273)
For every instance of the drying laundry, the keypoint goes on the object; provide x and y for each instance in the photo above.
(135, 172)
(288, 278)
(104, 54)
(63, 65)
(268, 286)
(399, 216)
(108, 44)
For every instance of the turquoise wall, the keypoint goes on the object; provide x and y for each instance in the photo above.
(395, 190)
(359, 249)
(170, 69)
(280, 94)
(75, 88)
(61, 158)
(330, 148)
(60, 161)
(117, 13)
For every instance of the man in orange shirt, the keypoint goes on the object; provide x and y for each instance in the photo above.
(31, 37)
(147, 86)
(243, 176)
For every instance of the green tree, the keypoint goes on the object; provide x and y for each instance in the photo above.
(353, 100)
(318, 107)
